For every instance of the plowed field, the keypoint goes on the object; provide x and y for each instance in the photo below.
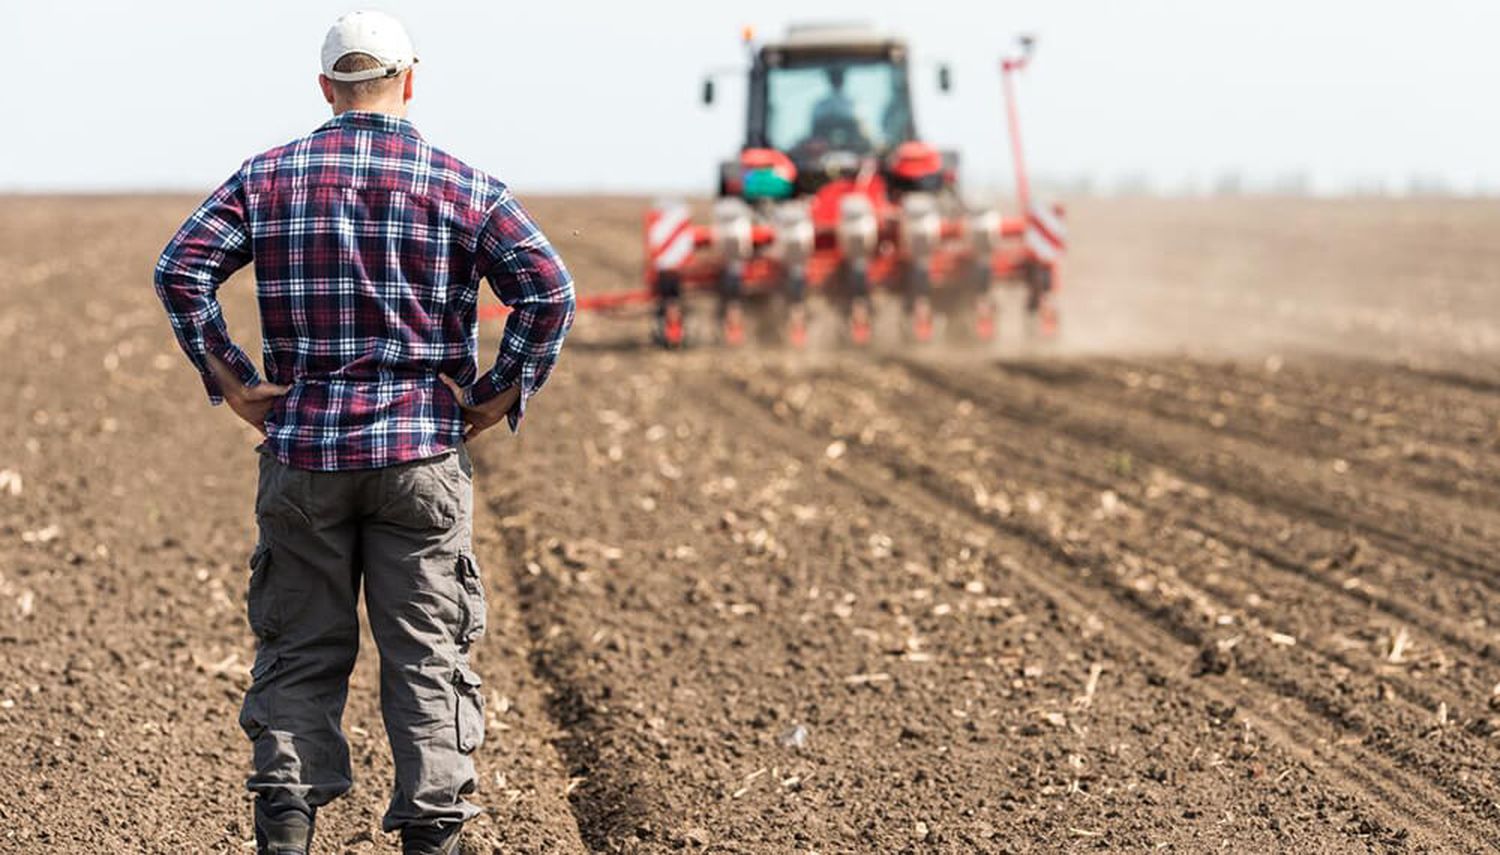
(1216, 571)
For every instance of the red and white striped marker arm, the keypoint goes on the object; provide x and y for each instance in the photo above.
(669, 236)
(1046, 233)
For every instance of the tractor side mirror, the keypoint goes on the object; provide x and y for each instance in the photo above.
(708, 91)
(945, 78)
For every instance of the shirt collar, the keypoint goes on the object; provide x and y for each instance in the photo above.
(371, 121)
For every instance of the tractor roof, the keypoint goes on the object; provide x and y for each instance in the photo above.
(857, 38)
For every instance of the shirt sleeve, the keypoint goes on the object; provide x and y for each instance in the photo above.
(527, 275)
(211, 245)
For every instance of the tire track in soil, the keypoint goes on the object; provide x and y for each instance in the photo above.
(1459, 379)
(607, 799)
(1155, 646)
(1219, 524)
(1213, 516)
(523, 794)
(1463, 684)
(1165, 444)
(1458, 687)
(1440, 467)
(1350, 587)
(1443, 439)
(1338, 386)
(1166, 640)
(1403, 549)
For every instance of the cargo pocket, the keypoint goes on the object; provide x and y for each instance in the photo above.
(255, 713)
(471, 598)
(470, 709)
(260, 601)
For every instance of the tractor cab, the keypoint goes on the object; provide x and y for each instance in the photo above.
(817, 97)
(824, 103)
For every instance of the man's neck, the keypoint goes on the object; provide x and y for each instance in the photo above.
(398, 112)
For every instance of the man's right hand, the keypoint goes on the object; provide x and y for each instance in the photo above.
(481, 417)
(250, 403)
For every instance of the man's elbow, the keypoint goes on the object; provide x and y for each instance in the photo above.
(178, 278)
(172, 271)
(570, 308)
(564, 306)
(162, 278)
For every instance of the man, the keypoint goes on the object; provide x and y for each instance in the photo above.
(836, 104)
(836, 125)
(368, 245)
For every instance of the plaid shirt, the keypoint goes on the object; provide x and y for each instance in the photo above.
(368, 245)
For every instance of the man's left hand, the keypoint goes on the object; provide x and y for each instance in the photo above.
(482, 417)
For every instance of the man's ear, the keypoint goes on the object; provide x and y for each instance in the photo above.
(327, 86)
(406, 87)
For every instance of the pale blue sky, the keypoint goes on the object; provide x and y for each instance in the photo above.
(577, 95)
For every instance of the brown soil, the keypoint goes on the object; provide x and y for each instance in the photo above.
(1121, 593)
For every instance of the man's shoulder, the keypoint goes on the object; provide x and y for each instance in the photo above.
(437, 173)
(299, 146)
(274, 156)
(467, 181)
(260, 171)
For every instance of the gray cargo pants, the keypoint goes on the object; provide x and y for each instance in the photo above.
(405, 532)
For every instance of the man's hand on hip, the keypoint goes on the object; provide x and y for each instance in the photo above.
(250, 403)
(482, 417)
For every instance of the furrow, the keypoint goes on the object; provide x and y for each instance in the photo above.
(1172, 646)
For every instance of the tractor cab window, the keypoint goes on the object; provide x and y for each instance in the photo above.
(856, 106)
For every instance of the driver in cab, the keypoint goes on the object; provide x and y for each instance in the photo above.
(834, 122)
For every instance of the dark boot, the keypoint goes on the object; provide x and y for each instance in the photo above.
(432, 840)
(282, 830)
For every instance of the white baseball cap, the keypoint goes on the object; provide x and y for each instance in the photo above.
(373, 33)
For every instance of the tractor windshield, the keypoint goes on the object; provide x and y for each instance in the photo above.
(857, 106)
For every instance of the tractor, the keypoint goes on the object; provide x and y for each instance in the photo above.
(834, 192)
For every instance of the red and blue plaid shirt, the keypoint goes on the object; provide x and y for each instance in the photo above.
(368, 245)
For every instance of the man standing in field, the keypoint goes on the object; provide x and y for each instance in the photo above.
(368, 245)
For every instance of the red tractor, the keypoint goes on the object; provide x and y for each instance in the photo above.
(834, 192)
